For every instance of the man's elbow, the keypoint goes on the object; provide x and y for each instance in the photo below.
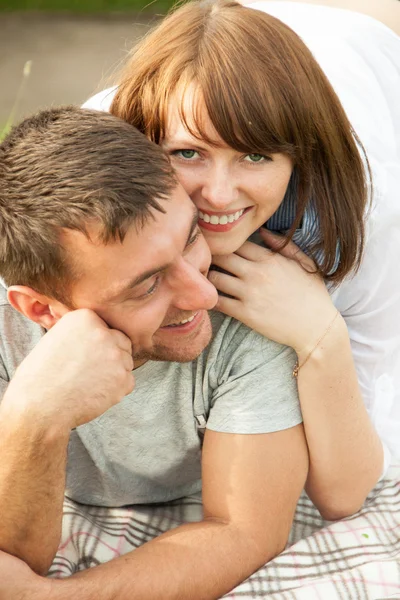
(256, 545)
(265, 548)
(38, 558)
(41, 565)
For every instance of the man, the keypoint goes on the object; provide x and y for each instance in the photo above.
(100, 248)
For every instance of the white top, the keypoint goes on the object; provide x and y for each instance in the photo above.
(361, 58)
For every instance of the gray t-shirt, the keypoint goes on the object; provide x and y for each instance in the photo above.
(148, 447)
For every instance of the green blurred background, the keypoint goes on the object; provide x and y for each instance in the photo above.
(68, 49)
(74, 49)
(86, 6)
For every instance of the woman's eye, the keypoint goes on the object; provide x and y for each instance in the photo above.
(255, 158)
(186, 154)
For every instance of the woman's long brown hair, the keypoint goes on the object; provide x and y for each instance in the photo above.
(265, 93)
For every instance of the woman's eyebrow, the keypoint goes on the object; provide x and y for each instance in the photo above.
(182, 141)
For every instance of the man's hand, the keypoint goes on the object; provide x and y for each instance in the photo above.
(76, 372)
(79, 369)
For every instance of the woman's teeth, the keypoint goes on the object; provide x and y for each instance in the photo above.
(222, 220)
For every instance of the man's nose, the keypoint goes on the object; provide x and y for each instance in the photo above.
(192, 289)
(220, 190)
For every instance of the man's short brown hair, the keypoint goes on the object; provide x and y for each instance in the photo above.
(67, 168)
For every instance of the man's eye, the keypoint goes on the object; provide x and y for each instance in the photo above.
(153, 288)
(186, 154)
(194, 237)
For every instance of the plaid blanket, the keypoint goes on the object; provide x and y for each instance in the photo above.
(357, 558)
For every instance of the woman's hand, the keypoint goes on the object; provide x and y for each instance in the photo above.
(279, 294)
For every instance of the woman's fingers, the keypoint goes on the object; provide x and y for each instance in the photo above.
(232, 263)
(276, 242)
(226, 284)
(229, 306)
(237, 263)
(291, 250)
(253, 252)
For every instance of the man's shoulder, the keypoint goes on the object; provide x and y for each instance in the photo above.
(231, 337)
(228, 329)
(3, 293)
(251, 388)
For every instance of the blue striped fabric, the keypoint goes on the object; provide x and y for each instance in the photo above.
(307, 235)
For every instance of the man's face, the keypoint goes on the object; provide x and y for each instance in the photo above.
(153, 287)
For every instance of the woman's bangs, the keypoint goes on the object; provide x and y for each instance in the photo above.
(230, 124)
(193, 112)
(242, 117)
(154, 102)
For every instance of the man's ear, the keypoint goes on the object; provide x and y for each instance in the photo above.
(37, 307)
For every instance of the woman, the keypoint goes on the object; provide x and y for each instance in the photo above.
(257, 135)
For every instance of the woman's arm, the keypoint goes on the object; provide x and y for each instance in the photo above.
(276, 296)
(346, 454)
(386, 11)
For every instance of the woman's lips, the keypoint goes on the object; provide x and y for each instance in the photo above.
(221, 222)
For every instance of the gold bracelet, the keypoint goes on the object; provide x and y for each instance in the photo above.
(297, 366)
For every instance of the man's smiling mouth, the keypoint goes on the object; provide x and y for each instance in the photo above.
(179, 323)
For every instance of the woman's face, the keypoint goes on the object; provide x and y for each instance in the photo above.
(234, 192)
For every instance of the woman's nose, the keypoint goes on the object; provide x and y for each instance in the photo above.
(219, 190)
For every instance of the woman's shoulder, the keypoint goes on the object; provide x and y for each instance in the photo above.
(101, 101)
(342, 41)
(328, 13)
(361, 58)
(345, 43)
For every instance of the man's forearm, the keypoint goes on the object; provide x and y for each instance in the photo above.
(200, 561)
(32, 482)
